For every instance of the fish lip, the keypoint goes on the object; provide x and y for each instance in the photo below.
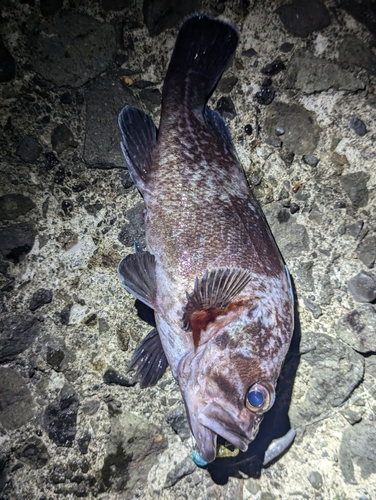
(214, 418)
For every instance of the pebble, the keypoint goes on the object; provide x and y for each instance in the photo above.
(358, 126)
(357, 328)
(14, 205)
(55, 355)
(60, 418)
(83, 442)
(311, 160)
(363, 287)
(111, 376)
(182, 469)
(301, 18)
(62, 138)
(18, 333)
(29, 149)
(279, 131)
(273, 68)
(226, 108)
(367, 251)
(40, 298)
(315, 478)
(265, 95)
(355, 186)
(294, 208)
(248, 129)
(17, 405)
(177, 419)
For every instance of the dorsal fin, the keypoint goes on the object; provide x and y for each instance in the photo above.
(139, 138)
(211, 295)
(137, 273)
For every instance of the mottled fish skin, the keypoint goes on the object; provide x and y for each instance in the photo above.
(201, 215)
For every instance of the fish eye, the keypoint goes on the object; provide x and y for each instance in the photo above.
(260, 397)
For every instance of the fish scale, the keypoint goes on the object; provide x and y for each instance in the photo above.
(211, 270)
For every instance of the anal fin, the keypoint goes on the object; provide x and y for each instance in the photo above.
(137, 273)
(150, 360)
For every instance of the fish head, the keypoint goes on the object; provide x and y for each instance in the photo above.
(229, 382)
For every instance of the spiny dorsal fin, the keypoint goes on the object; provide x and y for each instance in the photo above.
(150, 360)
(137, 273)
(139, 138)
(214, 292)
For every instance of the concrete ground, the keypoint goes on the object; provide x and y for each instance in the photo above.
(300, 101)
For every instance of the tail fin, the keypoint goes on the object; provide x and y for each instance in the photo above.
(203, 50)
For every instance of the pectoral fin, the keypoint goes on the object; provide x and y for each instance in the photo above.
(137, 273)
(211, 295)
(150, 360)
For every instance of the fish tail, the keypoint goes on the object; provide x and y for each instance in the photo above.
(203, 50)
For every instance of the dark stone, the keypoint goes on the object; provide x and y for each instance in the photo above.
(16, 402)
(294, 208)
(301, 130)
(60, 418)
(66, 98)
(279, 131)
(17, 334)
(248, 129)
(7, 64)
(355, 52)
(182, 469)
(126, 180)
(67, 206)
(111, 376)
(34, 453)
(249, 53)
(362, 287)
(51, 160)
(358, 446)
(135, 229)
(115, 468)
(226, 108)
(40, 298)
(355, 186)
(330, 382)
(313, 74)
(73, 49)
(355, 229)
(357, 328)
(55, 355)
(50, 7)
(265, 95)
(13, 206)
(315, 478)
(166, 14)
(83, 442)
(292, 239)
(273, 68)
(177, 419)
(151, 98)
(116, 5)
(358, 126)
(29, 149)
(16, 241)
(65, 314)
(367, 251)
(105, 98)
(286, 47)
(93, 209)
(62, 138)
(301, 18)
(311, 160)
(227, 84)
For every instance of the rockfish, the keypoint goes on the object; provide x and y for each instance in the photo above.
(212, 272)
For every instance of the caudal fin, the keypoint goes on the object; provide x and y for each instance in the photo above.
(203, 50)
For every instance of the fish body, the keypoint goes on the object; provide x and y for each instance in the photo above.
(212, 272)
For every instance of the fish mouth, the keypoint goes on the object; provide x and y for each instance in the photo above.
(213, 421)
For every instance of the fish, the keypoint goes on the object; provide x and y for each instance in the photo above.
(211, 270)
